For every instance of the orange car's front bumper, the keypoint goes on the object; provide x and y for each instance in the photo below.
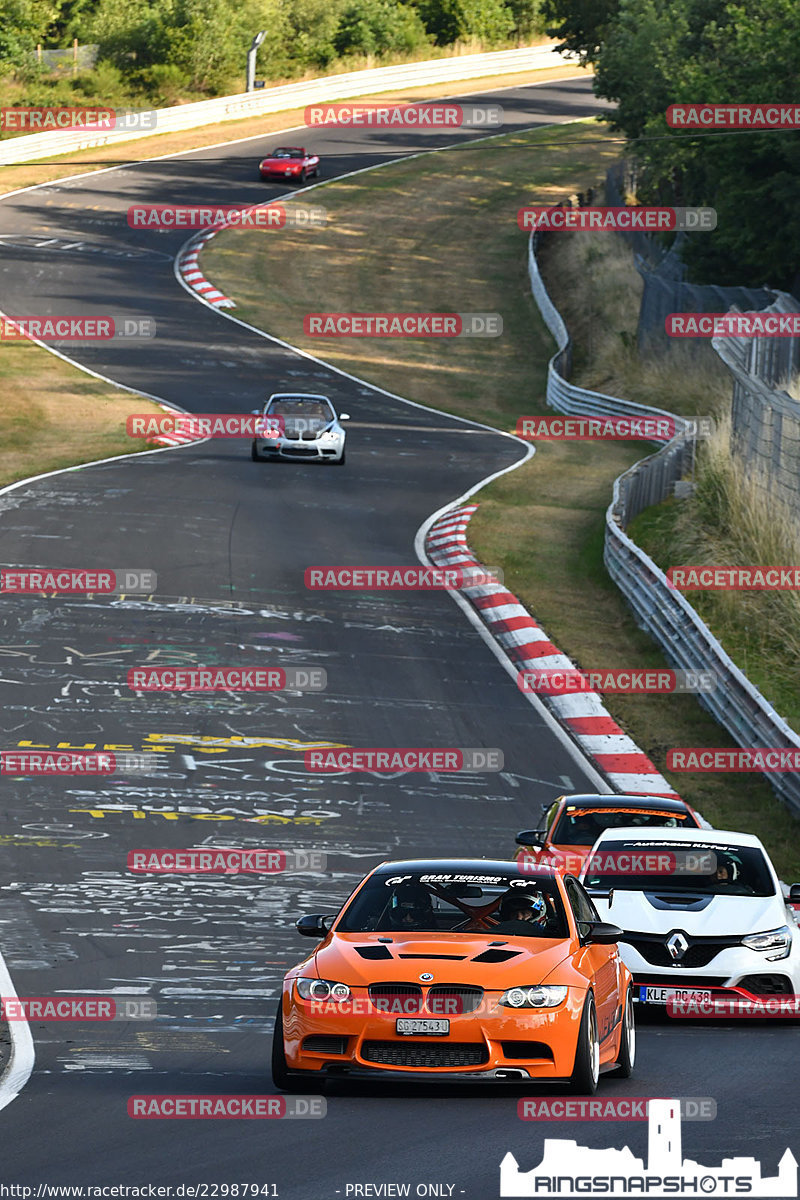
(539, 1042)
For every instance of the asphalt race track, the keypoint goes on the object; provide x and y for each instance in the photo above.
(230, 540)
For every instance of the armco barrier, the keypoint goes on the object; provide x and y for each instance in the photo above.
(664, 612)
(292, 95)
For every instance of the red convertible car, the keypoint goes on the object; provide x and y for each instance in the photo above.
(291, 163)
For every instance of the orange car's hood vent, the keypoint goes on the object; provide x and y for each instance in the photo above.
(496, 956)
(455, 957)
(373, 952)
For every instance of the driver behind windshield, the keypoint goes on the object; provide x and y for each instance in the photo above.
(522, 914)
(411, 908)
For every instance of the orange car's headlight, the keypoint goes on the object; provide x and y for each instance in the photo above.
(539, 996)
(322, 989)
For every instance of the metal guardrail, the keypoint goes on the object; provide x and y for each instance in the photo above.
(684, 638)
(288, 96)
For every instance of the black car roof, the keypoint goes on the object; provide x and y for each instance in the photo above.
(457, 866)
(663, 802)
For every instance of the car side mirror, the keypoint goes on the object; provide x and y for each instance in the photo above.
(794, 893)
(314, 925)
(344, 416)
(255, 412)
(601, 933)
(530, 837)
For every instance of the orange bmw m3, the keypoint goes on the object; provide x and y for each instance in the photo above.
(459, 968)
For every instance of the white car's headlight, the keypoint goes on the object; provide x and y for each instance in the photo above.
(540, 996)
(775, 943)
(322, 989)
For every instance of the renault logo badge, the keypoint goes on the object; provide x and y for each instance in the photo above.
(677, 944)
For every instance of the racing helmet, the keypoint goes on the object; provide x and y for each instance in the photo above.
(531, 902)
(411, 898)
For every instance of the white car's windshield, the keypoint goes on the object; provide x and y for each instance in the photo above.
(641, 864)
(317, 410)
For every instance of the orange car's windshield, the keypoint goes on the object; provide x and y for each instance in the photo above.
(583, 826)
(422, 903)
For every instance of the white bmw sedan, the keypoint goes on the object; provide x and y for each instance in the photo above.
(300, 425)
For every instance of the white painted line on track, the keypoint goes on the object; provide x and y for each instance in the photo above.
(23, 1055)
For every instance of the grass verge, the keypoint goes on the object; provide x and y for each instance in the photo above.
(440, 233)
(52, 415)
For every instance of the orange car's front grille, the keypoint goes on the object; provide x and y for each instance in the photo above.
(526, 1050)
(425, 1054)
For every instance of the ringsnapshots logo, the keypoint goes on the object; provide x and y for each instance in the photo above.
(227, 679)
(554, 682)
(70, 581)
(402, 325)
(724, 759)
(616, 219)
(76, 329)
(399, 761)
(204, 425)
(376, 115)
(23, 763)
(733, 325)
(77, 1008)
(567, 1169)
(733, 116)
(223, 860)
(270, 216)
(85, 120)
(226, 1108)
(399, 579)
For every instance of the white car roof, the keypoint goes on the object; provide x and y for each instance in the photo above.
(711, 837)
(298, 396)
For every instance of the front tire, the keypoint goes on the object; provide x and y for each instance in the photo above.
(586, 1072)
(303, 177)
(256, 457)
(627, 1042)
(339, 462)
(281, 1076)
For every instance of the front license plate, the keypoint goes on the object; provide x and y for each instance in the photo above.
(662, 995)
(422, 1025)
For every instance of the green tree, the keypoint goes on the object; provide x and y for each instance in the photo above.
(379, 27)
(713, 51)
(581, 25)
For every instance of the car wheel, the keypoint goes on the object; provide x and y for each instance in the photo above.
(627, 1042)
(256, 457)
(281, 1076)
(586, 1071)
(303, 176)
(339, 462)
